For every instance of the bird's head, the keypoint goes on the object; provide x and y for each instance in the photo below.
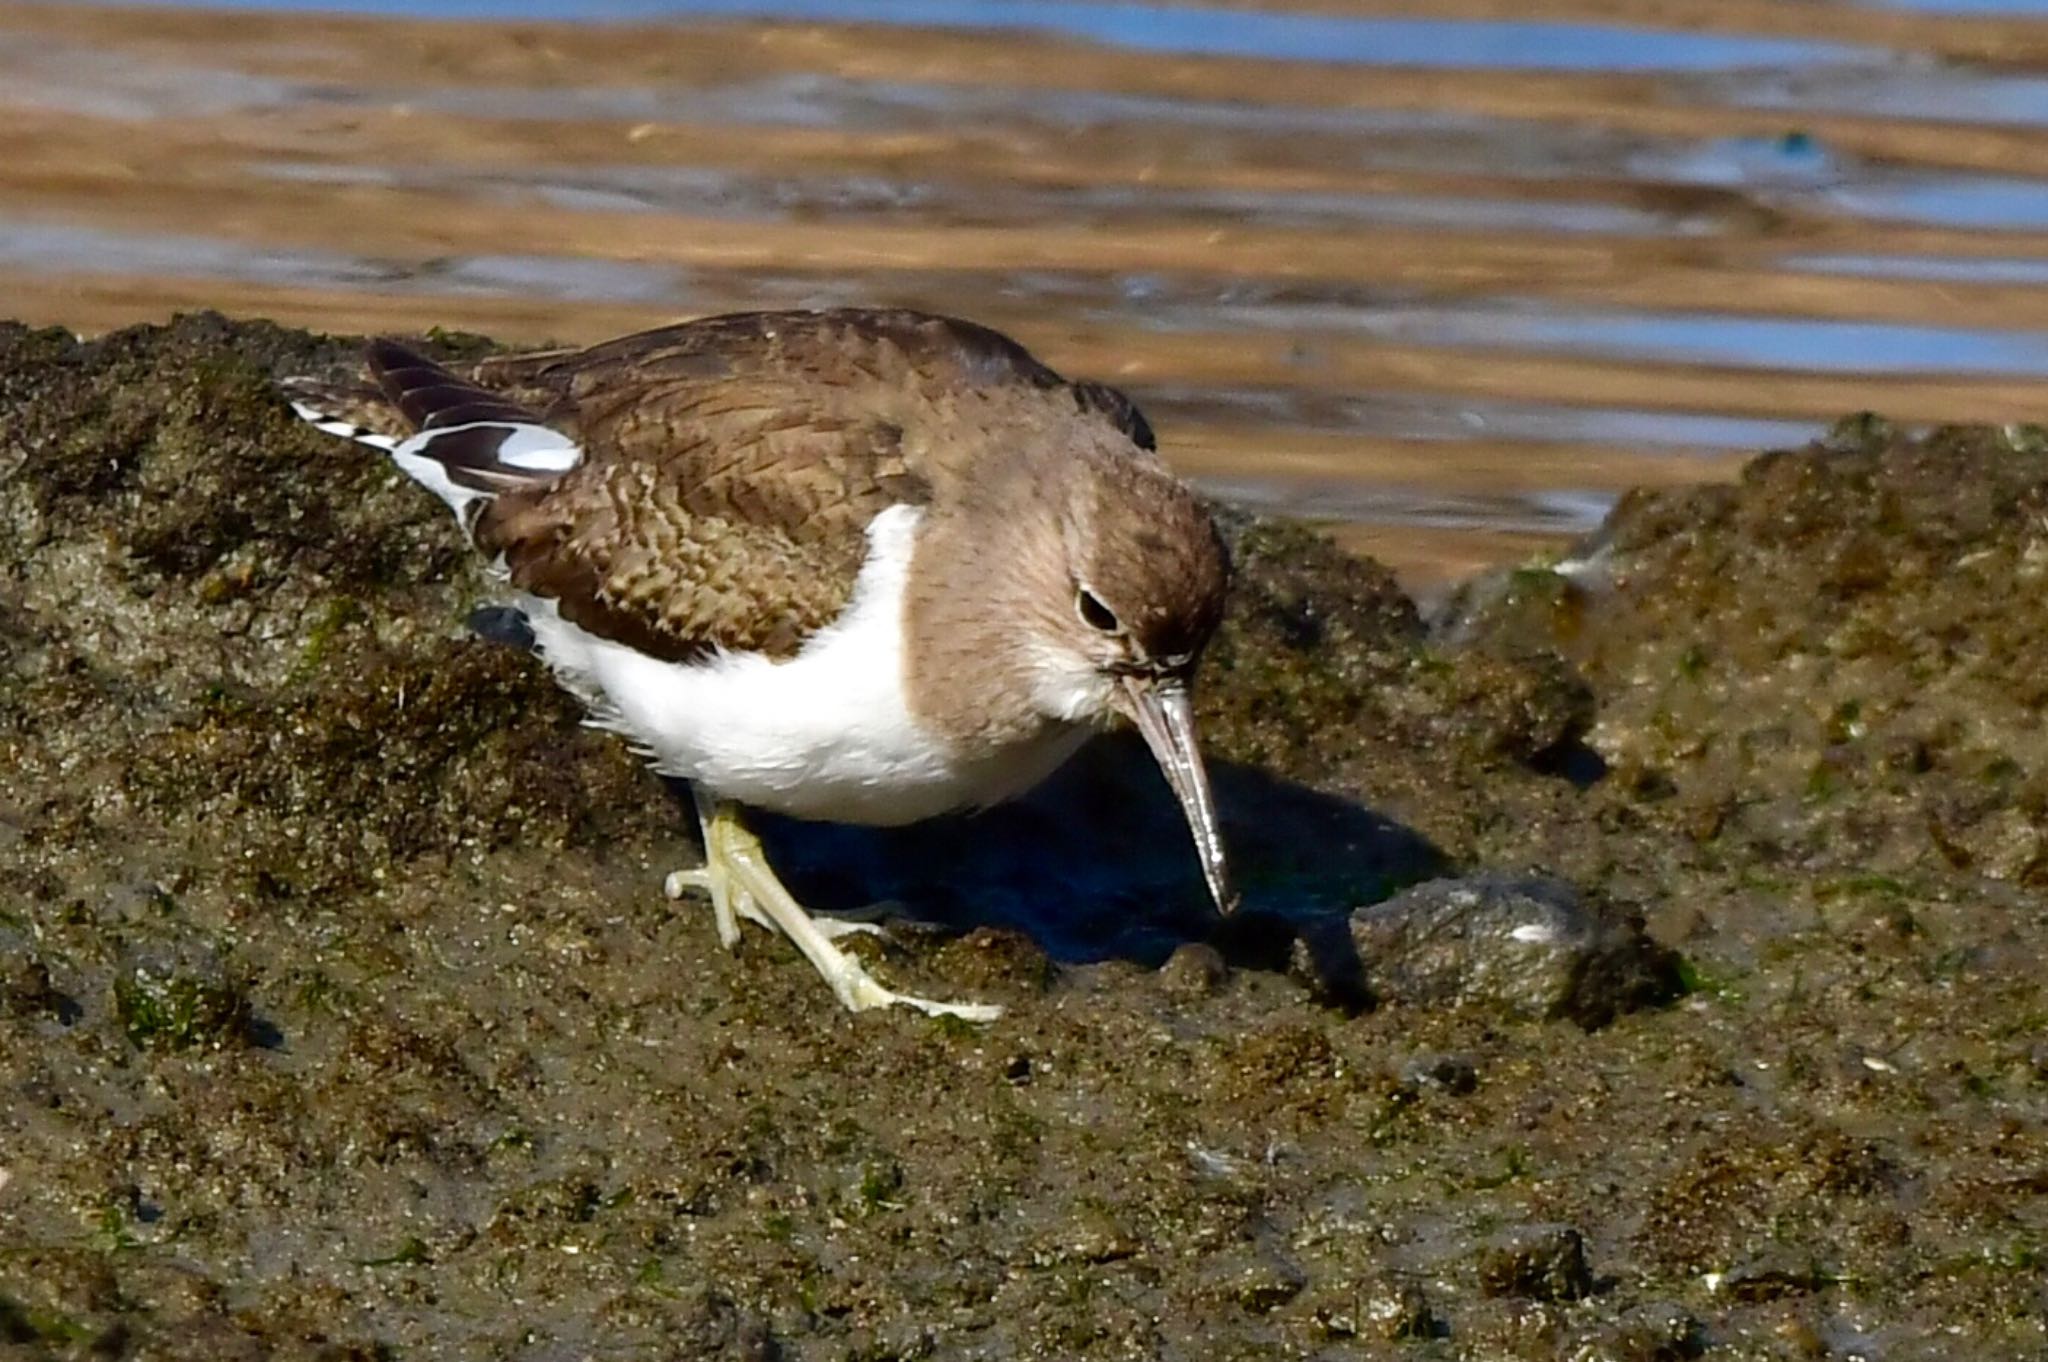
(1140, 591)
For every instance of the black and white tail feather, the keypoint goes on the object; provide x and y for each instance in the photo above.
(467, 444)
(304, 400)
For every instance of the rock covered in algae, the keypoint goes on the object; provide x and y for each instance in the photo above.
(1843, 655)
(1528, 947)
(495, 1096)
(1533, 947)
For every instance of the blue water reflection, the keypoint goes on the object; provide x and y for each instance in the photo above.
(1505, 44)
(1514, 228)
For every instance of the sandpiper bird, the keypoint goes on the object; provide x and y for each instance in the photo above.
(856, 565)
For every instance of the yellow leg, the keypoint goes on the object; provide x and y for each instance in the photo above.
(729, 899)
(741, 884)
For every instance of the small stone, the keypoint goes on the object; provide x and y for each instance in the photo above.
(1504, 1327)
(1537, 1262)
(1396, 1309)
(1259, 1281)
(1195, 970)
(1527, 947)
(1772, 1276)
(1452, 1074)
(2003, 844)
(1097, 1236)
(26, 991)
(993, 959)
(1802, 1338)
(504, 625)
(1656, 1331)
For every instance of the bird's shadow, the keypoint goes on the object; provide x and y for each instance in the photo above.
(1098, 862)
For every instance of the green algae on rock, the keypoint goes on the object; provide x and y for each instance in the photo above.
(177, 1011)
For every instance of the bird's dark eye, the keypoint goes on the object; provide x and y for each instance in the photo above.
(1095, 614)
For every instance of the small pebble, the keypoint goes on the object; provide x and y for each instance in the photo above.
(26, 990)
(1536, 1262)
(1195, 970)
(1097, 1236)
(1771, 1277)
(1804, 1339)
(1396, 1309)
(993, 960)
(1453, 1074)
(1655, 1331)
(1259, 1281)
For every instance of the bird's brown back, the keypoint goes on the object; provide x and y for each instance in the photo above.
(732, 464)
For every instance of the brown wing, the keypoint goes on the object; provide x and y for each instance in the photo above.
(913, 366)
(742, 534)
(731, 464)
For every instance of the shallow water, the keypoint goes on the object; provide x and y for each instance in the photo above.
(1448, 278)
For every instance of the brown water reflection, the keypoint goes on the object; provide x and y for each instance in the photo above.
(1434, 272)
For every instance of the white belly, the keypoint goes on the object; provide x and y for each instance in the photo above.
(826, 734)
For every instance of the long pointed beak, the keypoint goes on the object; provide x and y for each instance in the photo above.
(1166, 719)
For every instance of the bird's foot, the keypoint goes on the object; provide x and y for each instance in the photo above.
(741, 883)
(870, 920)
(836, 927)
(729, 902)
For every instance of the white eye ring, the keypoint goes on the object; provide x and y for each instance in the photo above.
(1094, 613)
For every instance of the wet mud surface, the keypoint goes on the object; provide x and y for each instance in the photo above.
(1692, 1006)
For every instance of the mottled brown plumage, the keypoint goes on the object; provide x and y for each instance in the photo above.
(732, 463)
(904, 568)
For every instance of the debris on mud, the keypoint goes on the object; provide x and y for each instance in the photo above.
(341, 1013)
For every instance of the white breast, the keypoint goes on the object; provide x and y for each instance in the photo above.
(825, 734)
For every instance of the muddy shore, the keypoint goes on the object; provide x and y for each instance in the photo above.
(341, 1015)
